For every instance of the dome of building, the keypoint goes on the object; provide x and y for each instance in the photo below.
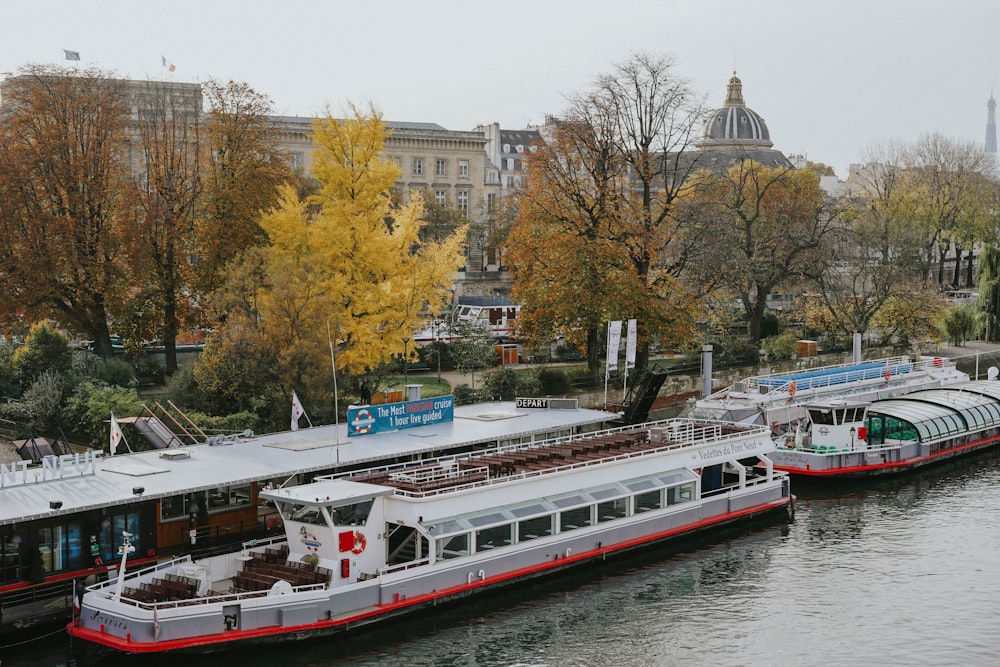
(735, 124)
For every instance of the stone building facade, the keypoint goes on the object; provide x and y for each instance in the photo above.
(450, 167)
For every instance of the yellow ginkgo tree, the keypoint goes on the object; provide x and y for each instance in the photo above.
(351, 259)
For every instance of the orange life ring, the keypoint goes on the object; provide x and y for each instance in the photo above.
(791, 388)
(888, 374)
(359, 543)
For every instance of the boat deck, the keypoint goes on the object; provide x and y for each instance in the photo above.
(536, 459)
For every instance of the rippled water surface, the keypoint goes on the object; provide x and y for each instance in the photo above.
(903, 572)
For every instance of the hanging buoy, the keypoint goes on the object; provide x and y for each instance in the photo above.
(791, 388)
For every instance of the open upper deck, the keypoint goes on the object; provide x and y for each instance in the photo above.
(560, 454)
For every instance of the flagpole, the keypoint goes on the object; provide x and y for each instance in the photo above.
(607, 367)
(336, 407)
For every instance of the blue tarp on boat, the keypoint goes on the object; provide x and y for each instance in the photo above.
(828, 376)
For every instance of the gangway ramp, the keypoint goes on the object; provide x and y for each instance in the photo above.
(164, 427)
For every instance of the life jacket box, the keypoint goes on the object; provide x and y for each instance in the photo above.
(805, 348)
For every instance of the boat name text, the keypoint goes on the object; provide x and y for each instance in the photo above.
(53, 467)
(729, 449)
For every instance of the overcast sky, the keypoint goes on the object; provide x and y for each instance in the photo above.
(829, 78)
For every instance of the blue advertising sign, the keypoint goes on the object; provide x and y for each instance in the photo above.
(368, 419)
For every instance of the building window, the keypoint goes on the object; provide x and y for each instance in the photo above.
(440, 167)
(509, 164)
(399, 163)
(463, 168)
(418, 166)
(506, 148)
(492, 177)
(463, 203)
(491, 202)
(519, 148)
(296, 160)
(440, 197)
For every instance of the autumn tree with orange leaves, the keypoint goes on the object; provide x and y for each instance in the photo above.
(63, 177)
(600, 232)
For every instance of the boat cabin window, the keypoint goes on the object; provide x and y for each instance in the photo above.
(575, 518)
(569, 501)
(821, 417)
(355, 514)
(528, 510)
(495, 536)
(453, 546)
(220, 499)
(305, 514)
(529, 529)
(613, 509)
(650, 500)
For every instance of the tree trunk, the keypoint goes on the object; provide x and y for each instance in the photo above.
(958, 266)
(593, 353)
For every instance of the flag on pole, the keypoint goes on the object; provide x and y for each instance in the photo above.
(170, 66)
(614, 341)
(630, 344)
(116, 434)
(71, 55)
(297, 411)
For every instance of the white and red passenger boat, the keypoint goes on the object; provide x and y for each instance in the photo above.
(849, 438)
(372, 544)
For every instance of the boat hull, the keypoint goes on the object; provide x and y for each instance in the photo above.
(397, 594)
(872, 463)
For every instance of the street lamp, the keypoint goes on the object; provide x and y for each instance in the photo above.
(406, 359)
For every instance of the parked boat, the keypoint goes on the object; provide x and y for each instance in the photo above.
(364, 546)
(500, 321)
(848, 438)
(779, 399)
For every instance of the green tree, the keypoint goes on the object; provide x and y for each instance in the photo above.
(45, 349)
(960, 324)
(988, 302)
(472, 348)
(768, 226)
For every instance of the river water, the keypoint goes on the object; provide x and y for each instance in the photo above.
(895, 572)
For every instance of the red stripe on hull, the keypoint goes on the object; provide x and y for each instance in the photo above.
(216, 641)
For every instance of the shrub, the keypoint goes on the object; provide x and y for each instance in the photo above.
(500, 384)
(115, 372)
(44, 349)
(92, 404)
(465, 395)
(553, 381)
(781, 346)
(43, 400)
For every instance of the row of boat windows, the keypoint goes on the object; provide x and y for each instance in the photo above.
(355, 514)
(71, 545)
(576, 499)
(491, 537)
(204, 502)
(836, 416)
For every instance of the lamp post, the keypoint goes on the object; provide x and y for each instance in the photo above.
(406, 359)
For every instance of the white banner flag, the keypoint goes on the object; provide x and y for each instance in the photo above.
(614, 340)
(297, 411)
(116, 434)
(630, 343)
